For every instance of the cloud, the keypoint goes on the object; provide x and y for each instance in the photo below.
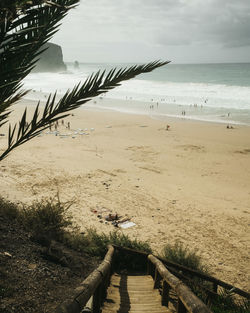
(224, 22)
(157, 23)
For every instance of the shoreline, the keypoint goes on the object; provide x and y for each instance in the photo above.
(105, 103)
(190, 183)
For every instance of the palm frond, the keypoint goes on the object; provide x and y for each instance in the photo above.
(5, 105)
(93, 86)
(21, 41)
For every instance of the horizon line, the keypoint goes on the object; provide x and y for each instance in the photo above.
(170, 63)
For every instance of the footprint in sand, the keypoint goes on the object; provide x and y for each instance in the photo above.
(142, 153)
(244, 151)
(192, 148)
(136, 148)
(120, 171)
(150, 169)
(106, 172)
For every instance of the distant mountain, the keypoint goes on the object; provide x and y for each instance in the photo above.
(51, 60)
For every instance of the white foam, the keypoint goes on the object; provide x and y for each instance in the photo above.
(214, 99)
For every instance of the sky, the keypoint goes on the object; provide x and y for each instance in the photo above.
(183, 31)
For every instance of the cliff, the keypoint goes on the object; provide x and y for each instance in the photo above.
(51, 60)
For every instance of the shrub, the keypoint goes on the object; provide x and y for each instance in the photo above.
(95, 244)
(8, 209)
(227, 303)
(182, 255)
(47, 218)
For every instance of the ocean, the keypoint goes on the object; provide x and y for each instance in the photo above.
(204, 92)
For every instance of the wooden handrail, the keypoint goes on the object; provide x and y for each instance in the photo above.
(214, 280)
(187, 301)
(210, 293)
(94, 285)
(206, 277)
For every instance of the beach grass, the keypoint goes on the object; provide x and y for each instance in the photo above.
(49, 219)
(226, 302)
(178, 253)
(95, 243)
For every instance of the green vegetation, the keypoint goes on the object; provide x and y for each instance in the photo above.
(177, 253)
(8, 209)
(96, 244)
(227, 303)
(49, 219)
(46, 218)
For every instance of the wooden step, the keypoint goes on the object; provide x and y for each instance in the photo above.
(163, 310)
(128, 294)
(134, 299)
(150, 307)
(151, 310)
(137, 310)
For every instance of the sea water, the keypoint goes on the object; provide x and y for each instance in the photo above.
(206, 92)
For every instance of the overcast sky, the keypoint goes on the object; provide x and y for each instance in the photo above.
(183, 31)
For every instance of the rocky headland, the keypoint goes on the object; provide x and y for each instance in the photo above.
(51, 60)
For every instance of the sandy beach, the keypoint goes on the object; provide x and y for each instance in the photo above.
(190, 183)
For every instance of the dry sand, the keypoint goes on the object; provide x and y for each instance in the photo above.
(191, 183)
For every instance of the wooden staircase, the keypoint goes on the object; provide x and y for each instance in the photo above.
(161, 290)
(133, 294)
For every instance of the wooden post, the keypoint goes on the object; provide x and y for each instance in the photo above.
(215, 287)
(106, 284)
(181, 307)
(148, 267)
(96, 304)
(103, 291)
(165, 293)
(157, 279)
